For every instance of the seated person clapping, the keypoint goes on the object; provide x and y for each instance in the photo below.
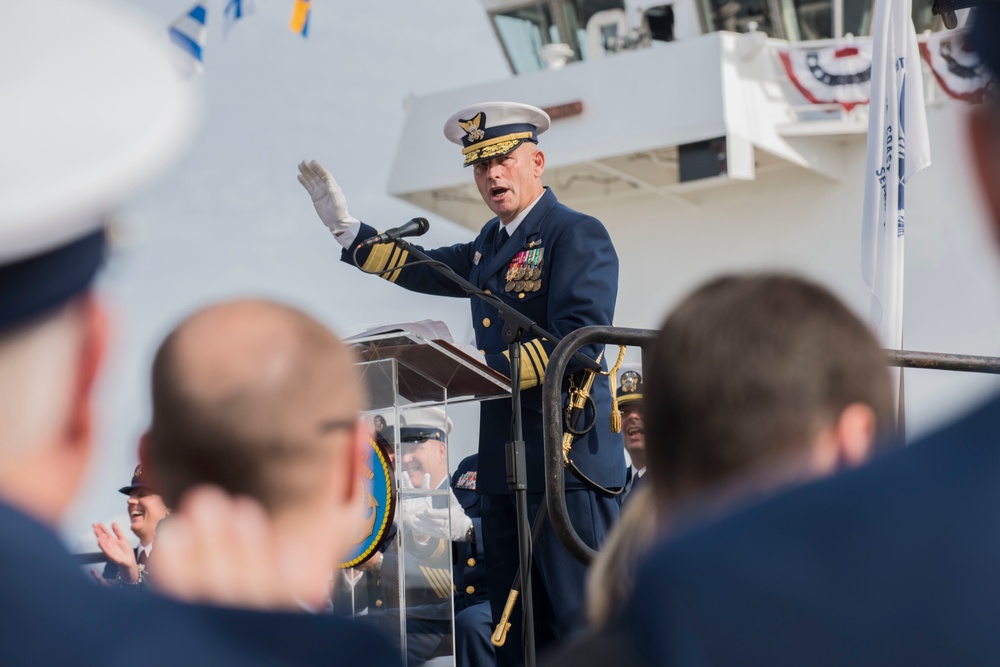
(127, 565)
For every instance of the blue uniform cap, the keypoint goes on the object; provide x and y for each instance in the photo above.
(137, 482)
(629, 388)
(33, 286)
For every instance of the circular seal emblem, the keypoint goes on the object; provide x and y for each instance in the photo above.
(379, 504)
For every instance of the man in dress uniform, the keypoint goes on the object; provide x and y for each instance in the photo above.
(473, 619)
(891, 564)
(630, 403)
(557, 267)
(92, 106)
(433, 527)
(127, 566)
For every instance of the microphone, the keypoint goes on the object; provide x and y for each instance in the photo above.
(415, 227)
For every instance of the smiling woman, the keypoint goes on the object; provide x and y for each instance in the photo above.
(127, 566)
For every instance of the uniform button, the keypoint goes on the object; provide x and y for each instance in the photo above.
(521, 295)
(487, 291)
(378, 603)
(482, 352)
(472, 562)
(486, 322)
(470, 589)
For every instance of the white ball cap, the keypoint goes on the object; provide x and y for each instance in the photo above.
(92, 107)
(497, 114)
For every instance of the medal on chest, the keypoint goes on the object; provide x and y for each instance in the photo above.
(524, 273)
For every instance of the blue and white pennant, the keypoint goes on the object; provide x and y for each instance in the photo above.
(188, 32)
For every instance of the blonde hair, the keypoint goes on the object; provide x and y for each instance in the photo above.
(612, 574)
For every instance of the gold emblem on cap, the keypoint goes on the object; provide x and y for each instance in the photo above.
(496, 146)
(630, 381)
(471, 127)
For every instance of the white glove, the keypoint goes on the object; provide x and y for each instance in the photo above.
(329, 201)
(435, 522)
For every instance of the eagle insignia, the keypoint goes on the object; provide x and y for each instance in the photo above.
(471, 127)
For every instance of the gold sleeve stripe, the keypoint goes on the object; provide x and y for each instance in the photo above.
(378, 257)
(542, 354)
(439, 579)
(529, 374)
(402, 260)
(537, 353)
(540, 357)
(394, 257)
(532, 356)
(442, 547)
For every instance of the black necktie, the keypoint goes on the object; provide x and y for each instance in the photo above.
(502, 237)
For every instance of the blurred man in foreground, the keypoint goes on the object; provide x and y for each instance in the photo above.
(262, 401)
(893, 564)
(755, 383)
(91, 107)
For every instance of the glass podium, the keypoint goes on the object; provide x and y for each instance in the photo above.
(400, 579)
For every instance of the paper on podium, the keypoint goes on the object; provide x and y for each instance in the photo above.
(429, 362)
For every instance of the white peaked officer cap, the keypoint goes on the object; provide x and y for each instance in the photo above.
(92, 107)
(419, 424)
(489, 129)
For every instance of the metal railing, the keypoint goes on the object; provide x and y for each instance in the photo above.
(555, 472)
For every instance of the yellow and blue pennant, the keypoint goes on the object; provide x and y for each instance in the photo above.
(301, 11)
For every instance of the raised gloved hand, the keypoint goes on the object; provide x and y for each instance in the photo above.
(450, 523)
(329, 201)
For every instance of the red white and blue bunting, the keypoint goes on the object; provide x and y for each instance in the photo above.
(836, 74)
(958, 70)
(841, 72)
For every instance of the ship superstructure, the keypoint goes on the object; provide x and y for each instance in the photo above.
(682, 127)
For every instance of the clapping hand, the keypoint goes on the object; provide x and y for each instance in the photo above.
(450, 523)
(118, 550)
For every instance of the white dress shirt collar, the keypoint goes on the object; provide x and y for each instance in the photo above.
(512, 226)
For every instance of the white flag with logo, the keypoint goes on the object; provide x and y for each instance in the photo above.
(898, 147)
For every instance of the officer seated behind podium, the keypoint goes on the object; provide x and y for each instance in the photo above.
(126, 565)
(422, 464)
(431, 522)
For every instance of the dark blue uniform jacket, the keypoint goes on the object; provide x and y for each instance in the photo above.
(896, 563)
(578, 288)
(470, 561)
(55, 615)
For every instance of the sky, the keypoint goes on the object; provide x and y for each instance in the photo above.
(229, 219)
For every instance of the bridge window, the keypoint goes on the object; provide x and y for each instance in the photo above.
(794, 20)
(524, 32)
(525, 28)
